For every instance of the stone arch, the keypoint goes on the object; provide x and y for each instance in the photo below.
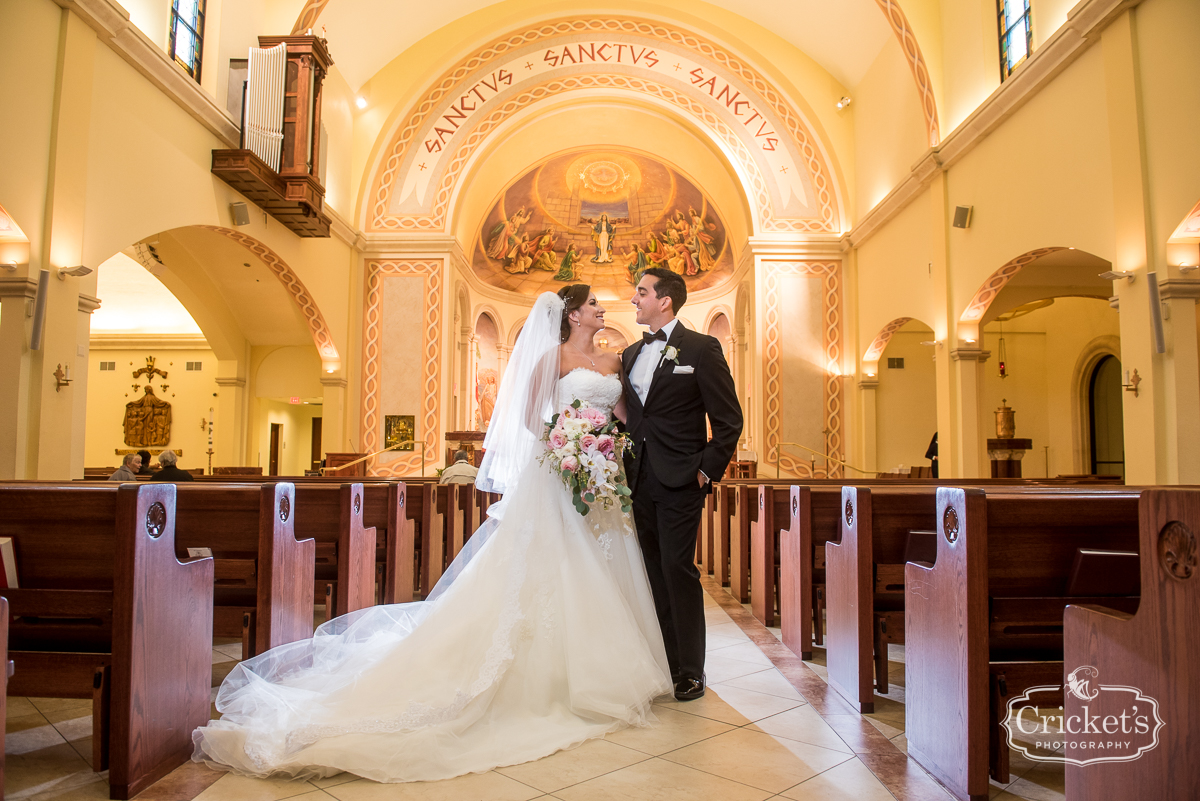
(423, 206)
(880, 342)
(322, 338)
(987, 292)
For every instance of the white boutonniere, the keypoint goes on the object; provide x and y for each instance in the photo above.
(670, 354)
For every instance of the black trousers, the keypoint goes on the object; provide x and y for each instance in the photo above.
(666, 520)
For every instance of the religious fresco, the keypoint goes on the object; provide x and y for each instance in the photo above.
(600, 218)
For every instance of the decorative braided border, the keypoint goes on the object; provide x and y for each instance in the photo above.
(818, 170)
(991, 287)
(373, 348)
(881, 340)
(916, 62)
(832, 342)
(308, 307)
(757, 189)
(308, 16)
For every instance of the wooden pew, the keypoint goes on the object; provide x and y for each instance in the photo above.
(1156, 650)
(7, 665)
(802, 608)
(264, 576)
(332, 515)
(864, 575)
(739, 542)
(984, 621)
(770, 508)
(107, 612)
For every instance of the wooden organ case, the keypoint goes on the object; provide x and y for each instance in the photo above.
(290, 100)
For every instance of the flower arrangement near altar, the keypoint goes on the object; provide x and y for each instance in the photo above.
(585, 449)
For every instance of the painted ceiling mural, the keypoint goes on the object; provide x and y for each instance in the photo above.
(600, 217)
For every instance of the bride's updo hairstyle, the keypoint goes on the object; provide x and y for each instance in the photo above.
(574, 296)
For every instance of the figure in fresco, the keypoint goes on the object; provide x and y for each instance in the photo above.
(602, 233)
(637, 262)
(544, 257)
(485, 392)
(569, 265)
(504, 235)
(148, 421)
(518, 259)
(700, 241)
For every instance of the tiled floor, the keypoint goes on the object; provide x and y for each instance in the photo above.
(768, 728)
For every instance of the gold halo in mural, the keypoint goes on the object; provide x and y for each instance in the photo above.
(600, 217)
(603, 177)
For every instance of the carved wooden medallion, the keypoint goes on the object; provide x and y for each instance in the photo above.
(849, 513)
(156, 520)
(795, 505)
(285, 508)
(950, 524)
(1177, 550)
(357, 503)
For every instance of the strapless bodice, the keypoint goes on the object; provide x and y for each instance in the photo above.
(596, 389)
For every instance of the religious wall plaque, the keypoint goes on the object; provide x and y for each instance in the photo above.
(147, 420)
(399, 431)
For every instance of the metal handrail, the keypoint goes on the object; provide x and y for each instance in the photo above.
(827, 457)
(419, 443)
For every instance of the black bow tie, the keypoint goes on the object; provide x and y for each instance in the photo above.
(647, 337)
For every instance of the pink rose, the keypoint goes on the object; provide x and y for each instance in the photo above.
(557, 439)
(606, 444)
(570, 463)
(594, 416)
(587, 442)
(568, 412)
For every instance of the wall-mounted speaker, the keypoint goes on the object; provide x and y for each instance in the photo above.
(962, 216)
(39, 310)
(241, 214)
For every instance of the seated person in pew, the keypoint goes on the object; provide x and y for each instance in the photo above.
(129, 468)
(461, 472)
(146, 470)
(170, 470)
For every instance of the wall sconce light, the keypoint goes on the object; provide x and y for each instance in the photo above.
(843, 103)
(937, 343)
(63, 272)
(1183, 268)
(969, 341)
(1131, 383)
(62, 378)
(1116, 275)
(12, 266)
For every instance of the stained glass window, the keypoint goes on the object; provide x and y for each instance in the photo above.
(187, 34)
(1016, 34)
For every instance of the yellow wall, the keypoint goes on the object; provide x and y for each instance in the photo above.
(296, 444)
(906, 401)
(189, 393)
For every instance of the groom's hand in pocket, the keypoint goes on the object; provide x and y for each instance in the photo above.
(701, 479)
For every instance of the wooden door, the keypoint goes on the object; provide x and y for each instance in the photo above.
(315, 458)
(276, 440)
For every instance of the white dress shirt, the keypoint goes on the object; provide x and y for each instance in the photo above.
(647, 362)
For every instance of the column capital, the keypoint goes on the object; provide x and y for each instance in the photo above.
(333, 381)
(234, 381)
(88, 304)
(970, 354)
(868, 382)
(18, 287)
(1173, 288)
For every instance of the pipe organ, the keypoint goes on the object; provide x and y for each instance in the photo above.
(278, 165)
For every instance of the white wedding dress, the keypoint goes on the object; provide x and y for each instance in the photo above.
(542, 635)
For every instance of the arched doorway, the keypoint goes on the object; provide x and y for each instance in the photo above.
(1105, 419)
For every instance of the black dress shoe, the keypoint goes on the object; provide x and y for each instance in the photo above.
(689, 689)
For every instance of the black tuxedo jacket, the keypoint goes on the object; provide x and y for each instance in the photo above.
(669, 429)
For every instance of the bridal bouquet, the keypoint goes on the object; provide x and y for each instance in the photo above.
(585, 449)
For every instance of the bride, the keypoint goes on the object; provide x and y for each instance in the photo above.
(541, 634)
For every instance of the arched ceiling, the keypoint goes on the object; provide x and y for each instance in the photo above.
(844, 36)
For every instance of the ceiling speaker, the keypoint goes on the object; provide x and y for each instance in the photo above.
(241, 214)
(962, 216)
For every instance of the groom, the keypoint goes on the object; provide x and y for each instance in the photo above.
(674, 378)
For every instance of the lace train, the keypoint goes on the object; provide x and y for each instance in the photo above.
(545, 637)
